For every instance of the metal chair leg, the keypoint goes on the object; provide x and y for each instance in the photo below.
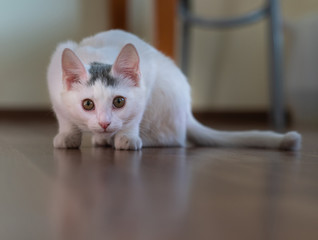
(185, 47)
(271, 10)
(276, 66)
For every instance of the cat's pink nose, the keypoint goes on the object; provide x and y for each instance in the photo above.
(104, 125)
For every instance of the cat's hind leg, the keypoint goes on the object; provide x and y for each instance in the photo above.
(69, 135)
(100, 140)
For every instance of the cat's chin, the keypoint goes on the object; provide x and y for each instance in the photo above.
(104, 132)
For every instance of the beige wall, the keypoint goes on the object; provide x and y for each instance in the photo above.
(228, 69)
(29, 32)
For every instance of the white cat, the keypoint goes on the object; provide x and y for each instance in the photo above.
(129, 95)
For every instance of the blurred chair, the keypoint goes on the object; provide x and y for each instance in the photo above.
(270, 10)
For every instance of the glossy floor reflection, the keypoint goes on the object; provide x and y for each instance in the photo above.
(159, 193)
(101, 192)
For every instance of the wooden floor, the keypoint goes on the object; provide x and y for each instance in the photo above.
(168, 193)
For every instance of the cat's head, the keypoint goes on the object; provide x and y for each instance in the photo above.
(102, 98)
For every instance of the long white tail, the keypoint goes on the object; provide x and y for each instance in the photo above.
(204, 136)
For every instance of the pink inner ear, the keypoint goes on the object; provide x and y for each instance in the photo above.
(73, 69)
(127, 64)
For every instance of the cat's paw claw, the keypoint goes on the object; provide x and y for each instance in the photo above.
(291, 141)
(64, 140)
(125, 143)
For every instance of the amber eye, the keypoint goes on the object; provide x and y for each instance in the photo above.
(88, 104)
(119, 102)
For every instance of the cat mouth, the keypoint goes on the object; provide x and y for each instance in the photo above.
(105, 131)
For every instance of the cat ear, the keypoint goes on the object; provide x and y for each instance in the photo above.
(127, 64)
(73, 69)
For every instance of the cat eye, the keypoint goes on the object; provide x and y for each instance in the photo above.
(88, 104)
(119, 102)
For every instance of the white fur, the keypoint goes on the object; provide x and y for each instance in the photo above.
(157, 112)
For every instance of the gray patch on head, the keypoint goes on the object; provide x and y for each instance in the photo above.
(101, 72)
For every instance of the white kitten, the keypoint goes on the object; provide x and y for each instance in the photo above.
(130, 95)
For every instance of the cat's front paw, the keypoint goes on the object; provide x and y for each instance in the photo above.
(123, 142)
(67, 140)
